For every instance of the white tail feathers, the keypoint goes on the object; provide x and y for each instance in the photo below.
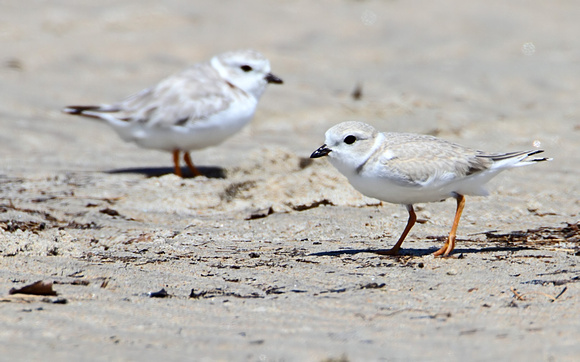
(515, 159)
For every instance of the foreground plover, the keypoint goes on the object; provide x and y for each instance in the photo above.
(405, 168)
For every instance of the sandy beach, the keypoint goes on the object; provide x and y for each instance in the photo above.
(269, 257)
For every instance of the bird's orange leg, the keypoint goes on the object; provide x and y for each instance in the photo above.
(176, 163)
(450, 243)
(395, 249)
(189, 164)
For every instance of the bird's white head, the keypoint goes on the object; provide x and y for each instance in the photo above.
(245, 69)
(348, 145)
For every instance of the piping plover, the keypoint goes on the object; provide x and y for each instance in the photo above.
(199, 107)
(405, 168)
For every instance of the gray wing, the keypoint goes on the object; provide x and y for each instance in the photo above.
(192, 95)
(414, 159)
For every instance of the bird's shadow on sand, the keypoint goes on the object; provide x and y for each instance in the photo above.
(513, 241)
(207, 171)
(422, 252)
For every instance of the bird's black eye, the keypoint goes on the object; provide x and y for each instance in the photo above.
(349, 140)
(246, 68)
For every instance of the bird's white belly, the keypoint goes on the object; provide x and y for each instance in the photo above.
(191, 136)
(435, 190)
(386, 190)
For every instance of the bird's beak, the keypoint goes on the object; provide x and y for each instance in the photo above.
(271, 78)
(321, 151)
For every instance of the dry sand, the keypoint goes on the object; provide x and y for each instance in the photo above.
(270, 262)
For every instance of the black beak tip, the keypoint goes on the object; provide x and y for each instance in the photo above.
(271, 78)
(320, 152)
